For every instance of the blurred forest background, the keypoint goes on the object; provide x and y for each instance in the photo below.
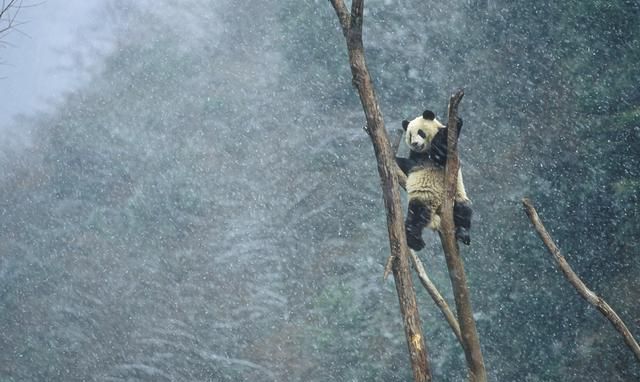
(206, 206)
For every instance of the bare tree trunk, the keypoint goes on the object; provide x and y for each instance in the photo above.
(470, 339)
(577, 283)
(351, 24)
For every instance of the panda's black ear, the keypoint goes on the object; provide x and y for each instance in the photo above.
(428, 114)
(405, 124)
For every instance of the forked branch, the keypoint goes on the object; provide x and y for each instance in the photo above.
(436, 296)
(577, 283)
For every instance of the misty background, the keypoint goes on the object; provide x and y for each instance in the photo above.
(187, 193)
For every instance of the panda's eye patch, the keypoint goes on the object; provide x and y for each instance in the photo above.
(422, 134)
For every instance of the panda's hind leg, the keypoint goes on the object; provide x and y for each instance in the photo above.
(462, 220)
(418, 217)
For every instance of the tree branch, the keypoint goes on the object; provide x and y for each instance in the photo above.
(436, 296)
(397, 138)
(470, 339)
(5, 17)
(387, 169)
(343, 15)
(577, 283)
(357, 10)
(402, 180)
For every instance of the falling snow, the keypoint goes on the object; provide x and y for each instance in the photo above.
(188, 194)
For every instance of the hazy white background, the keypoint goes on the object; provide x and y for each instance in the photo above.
(47, 54)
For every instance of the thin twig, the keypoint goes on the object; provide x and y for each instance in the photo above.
(577, 283)
(11, 18)
(5, 7)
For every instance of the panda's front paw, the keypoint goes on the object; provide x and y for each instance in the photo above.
(462, 235)
(415, 242)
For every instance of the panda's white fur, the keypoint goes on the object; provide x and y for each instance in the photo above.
(414, 140)
(425, 181)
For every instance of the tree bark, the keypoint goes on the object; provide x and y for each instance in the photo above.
(470, 339)
(577, 283)
(351, 24)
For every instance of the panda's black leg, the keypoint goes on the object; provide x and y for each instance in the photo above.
(418, 217)
(462, 220)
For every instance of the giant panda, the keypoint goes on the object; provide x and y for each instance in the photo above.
(427, 141)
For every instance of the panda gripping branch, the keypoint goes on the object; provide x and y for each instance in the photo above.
(427, 141)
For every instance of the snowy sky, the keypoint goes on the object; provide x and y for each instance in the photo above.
(47, 54)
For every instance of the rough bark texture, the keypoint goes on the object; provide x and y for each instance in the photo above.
(470, 339)
(577, 283)
(387, 168)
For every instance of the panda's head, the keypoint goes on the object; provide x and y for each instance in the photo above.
(420, 132)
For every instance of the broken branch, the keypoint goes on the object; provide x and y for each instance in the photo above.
(577, 283)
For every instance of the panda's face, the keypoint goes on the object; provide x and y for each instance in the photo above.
(420, 132)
